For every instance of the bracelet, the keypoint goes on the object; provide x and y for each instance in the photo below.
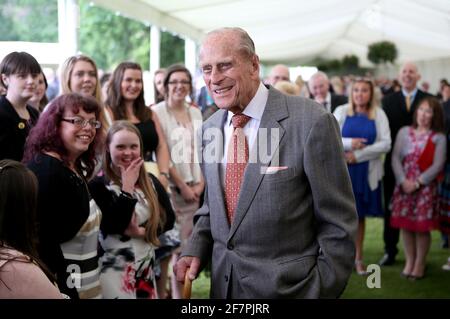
(165, 174)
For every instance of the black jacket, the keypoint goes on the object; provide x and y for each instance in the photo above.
(14, 130)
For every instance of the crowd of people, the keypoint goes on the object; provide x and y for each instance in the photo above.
(101, 193)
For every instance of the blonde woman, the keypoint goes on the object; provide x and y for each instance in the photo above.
(366, 138)
(79, 74)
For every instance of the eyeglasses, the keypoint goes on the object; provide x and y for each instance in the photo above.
(80, 122)
(179, 82)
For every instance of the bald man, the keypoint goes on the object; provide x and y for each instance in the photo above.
(279, 72)
(319, 86)
(399, 114)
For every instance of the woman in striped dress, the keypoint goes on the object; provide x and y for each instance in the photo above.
(60, 150)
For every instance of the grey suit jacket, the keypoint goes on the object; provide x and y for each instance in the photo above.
(293, 230)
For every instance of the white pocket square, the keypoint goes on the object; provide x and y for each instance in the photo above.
(272, 169)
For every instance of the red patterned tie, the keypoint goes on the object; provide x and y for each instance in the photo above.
(237, 159)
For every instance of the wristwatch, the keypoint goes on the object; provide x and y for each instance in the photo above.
(165, 174)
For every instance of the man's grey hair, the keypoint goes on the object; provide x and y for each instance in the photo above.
(320, 74)
(246, 45)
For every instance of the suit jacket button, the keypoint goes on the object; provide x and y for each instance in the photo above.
(230, 246)
(226, 278)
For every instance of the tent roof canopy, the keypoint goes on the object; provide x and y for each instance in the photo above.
(297, 32)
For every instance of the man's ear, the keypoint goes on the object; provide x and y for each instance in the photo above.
(255, 65)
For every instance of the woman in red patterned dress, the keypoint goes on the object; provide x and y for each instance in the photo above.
(418, 159)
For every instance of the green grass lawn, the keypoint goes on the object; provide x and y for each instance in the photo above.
(436, 284)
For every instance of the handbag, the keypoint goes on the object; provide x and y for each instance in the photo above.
(427, 157)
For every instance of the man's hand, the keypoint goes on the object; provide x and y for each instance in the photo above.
(186, 263)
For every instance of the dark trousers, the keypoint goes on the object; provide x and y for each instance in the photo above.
(390, 235)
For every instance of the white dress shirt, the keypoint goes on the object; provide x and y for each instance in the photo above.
(255, 110)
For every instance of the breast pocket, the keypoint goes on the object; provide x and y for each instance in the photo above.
(279, 175)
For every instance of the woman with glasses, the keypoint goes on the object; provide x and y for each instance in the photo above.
(180, 122)
(125, 101)
(61, 152)
(19, 73)
(366, 138)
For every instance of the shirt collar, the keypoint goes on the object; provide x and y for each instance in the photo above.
(412, 94)
(255, 108)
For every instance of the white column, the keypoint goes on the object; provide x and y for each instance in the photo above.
(155, 48)
(68, 26)
(190, 56)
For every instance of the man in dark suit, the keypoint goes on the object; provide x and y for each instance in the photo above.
(399, 108)
(284, 226)
(319, 86)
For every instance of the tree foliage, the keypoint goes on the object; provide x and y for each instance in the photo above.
(110, 38)
(382, 52)
(350, 62)
(29, 20)
(172, 49)
(107, 37)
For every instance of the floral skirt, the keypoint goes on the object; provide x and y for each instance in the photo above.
(124, 277)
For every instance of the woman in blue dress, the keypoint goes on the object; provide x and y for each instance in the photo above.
(366, 138)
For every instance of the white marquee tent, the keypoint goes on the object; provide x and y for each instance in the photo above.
(286, 31)
(298, 31)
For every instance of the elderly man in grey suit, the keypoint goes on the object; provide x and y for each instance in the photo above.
(286, 229)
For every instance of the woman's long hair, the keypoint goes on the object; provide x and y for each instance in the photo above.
(158, 97)
(18, 204)
(115, 100)
(144, 182)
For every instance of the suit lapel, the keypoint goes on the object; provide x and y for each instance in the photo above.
(275, 111)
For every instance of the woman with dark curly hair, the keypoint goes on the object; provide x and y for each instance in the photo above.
(61, 150)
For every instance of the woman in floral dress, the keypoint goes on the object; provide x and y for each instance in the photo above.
(130, 195)
(418, 159)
